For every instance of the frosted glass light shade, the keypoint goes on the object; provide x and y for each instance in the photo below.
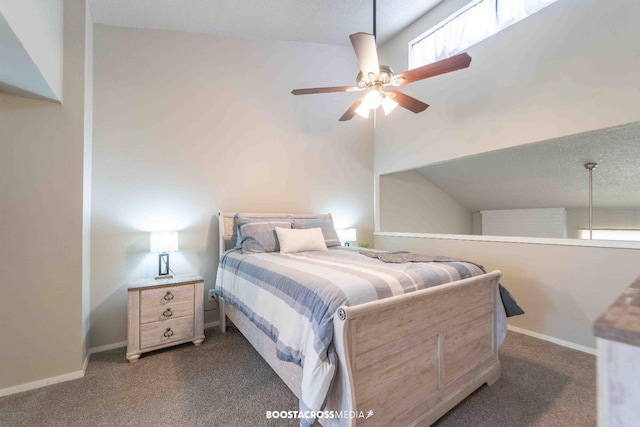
(363, 111)
(372, 99)
(166, 241)
(347, 235)
(388, 105)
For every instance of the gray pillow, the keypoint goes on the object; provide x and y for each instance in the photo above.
(326, 224)
(240, 220)
(259, 236)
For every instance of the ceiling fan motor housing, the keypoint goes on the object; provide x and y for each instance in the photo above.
(383, 78)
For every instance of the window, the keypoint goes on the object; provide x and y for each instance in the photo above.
(610, 234)
(473, 23)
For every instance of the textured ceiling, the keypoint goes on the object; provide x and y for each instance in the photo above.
(317, 21)
(548, 174)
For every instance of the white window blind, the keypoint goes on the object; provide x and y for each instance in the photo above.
(512, 11)
(473, 23)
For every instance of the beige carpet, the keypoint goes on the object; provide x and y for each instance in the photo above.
(224, 382)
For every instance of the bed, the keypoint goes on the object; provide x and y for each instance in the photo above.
(405, 359)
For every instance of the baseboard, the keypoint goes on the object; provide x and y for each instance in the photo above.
(41, 383)
(211, 324)
(74, 375)
(60, 378)
(101, 348)
(86, 363)
(563, 343)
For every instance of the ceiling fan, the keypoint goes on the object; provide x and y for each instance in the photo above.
(375, 78)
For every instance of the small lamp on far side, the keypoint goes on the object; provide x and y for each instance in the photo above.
(162, 243)
(347, 235)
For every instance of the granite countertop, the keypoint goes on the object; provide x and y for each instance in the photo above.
(621, 321)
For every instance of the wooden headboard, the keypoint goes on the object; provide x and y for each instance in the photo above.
(229, 234)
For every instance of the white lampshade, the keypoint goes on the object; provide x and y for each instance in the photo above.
(166, 241)
(347, 235)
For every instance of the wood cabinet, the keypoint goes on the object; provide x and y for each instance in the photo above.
(617, 333)
(163, 313)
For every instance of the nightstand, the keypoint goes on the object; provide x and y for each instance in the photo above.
(163, 313)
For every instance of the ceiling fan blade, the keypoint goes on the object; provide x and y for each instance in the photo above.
(348, 115)
(408, 102)
(365, 47)
(430, 70)
(325, 90)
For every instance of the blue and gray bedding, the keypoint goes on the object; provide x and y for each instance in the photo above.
(511, 307)
(292, 298)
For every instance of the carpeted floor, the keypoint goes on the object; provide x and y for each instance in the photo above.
(224, 382)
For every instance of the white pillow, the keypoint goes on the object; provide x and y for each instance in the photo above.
(309, 239)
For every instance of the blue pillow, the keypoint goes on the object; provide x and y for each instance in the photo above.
(325, 224)
(240, 220)
(260, 236)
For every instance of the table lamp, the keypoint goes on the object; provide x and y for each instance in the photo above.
(347, 235)
(162, 243)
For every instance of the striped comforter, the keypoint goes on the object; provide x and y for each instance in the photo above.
(292, 298)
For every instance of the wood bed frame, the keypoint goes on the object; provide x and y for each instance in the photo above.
(409, 358)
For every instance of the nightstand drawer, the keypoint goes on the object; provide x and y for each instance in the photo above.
(167, 312)
(158, 333)
(154, 298)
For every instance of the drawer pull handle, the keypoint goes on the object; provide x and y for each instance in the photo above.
(167, 313)
(168, 296)
(168, 333)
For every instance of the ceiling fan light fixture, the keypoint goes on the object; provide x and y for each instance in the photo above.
(374, 77)
(373, 99)
(363, 111)
(388, 104)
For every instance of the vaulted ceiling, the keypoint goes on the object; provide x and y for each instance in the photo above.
(317, 21)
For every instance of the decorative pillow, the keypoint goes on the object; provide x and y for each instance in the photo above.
(292, 241)
(240, 220)
(259, 237)
(326, 224)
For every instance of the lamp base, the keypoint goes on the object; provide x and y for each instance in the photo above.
(164, 277)
(163, 266)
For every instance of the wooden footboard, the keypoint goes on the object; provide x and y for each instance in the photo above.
(408, 358)
(413, 357)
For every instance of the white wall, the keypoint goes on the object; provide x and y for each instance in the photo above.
(536, 222)
(476, 220)
(186, 125)
(411, 203)
(36, 59)
(562, 289)
(41, 223)
(569, 68)
(86, 180)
